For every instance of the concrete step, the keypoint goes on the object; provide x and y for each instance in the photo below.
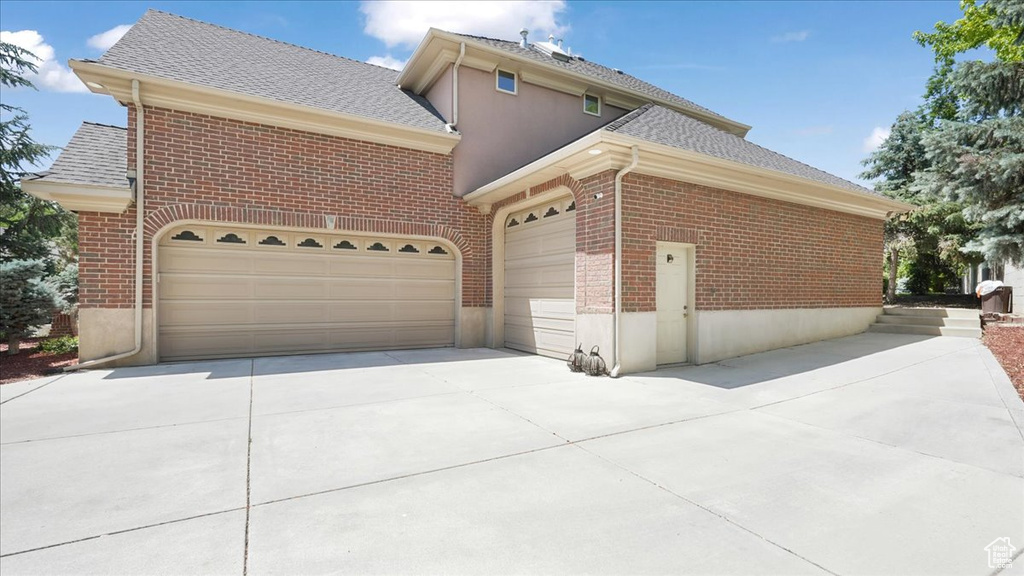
(925, 330)
(933, 312)
(929, 321)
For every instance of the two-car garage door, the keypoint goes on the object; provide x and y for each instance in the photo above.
(226, 291)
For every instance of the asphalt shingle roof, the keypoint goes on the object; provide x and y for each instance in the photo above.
(594, 70)
(176, 48)
(97, 154)
(661, 125)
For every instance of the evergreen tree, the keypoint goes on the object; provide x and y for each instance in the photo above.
(975, 153)
(927, 240)
(26, 300)
(28, 225)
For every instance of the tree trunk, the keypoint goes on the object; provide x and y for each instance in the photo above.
(894, 263)
(13, 344)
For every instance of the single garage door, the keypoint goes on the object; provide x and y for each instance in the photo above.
(540, 274)
(227, 292)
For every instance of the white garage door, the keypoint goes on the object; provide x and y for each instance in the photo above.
(227, 292)
(540, 274)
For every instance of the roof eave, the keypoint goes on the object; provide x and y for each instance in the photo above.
(683, 165)
(79, 197)
(185, 96)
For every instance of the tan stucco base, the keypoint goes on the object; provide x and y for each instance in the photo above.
(638, 340)
(474, 328)
(596, 330)
(108, 331)
(728, 333)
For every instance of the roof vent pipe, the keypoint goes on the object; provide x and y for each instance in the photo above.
(559, 42)
(524, 33)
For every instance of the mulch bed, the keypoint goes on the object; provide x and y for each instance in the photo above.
(1007, 344)
(28, 364)
(938, 301)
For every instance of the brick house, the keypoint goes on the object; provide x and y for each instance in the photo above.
(270, 199)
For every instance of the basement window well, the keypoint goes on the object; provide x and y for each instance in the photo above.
(592, 104)
(506, 81)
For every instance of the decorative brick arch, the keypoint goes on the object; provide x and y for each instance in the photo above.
(564, 180)
(159, 219)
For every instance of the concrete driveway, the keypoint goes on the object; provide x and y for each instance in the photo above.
(874, 454)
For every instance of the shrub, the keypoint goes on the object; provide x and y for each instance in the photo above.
(59, 345)
(65, 283)
(26, 300)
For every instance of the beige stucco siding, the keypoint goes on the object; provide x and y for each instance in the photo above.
(501, 132)
(440, 95)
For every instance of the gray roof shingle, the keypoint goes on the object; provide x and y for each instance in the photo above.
(97, 155)
(594, 70)
(177, 48)
(660, 125)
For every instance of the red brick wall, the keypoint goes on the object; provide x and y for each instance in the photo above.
(752, 252)
(205, 167)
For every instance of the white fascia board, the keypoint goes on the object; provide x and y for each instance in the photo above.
(678, 164)
(683, 165)
(184, 96)
(531, 174)
(80, 197)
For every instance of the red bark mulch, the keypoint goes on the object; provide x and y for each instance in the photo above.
(1007, 345)
(28, 364)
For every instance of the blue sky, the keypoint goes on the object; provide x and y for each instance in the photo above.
(815, 79)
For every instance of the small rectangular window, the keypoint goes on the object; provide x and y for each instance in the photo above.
(506, 81)
(592, 104)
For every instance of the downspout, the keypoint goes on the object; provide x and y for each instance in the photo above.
(139, 243)
(455, 88)
(617, 317)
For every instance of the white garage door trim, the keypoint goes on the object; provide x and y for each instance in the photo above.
(539, 280)
(413, 252)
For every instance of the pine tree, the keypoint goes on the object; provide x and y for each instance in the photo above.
(927, 240)
(26, 300)
(975, 153)
(28, 225)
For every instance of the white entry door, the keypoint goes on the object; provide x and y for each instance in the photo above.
(540, 276)
(671, 300)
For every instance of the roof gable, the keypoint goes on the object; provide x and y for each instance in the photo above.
(594, 70)
(571, 74)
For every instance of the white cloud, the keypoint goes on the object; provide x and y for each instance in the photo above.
(877, 137)
(387, 61)
(50, 73)
(405, 23)
(104, 40)
(798, 36)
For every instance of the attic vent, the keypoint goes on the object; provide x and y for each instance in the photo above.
(552, 49)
